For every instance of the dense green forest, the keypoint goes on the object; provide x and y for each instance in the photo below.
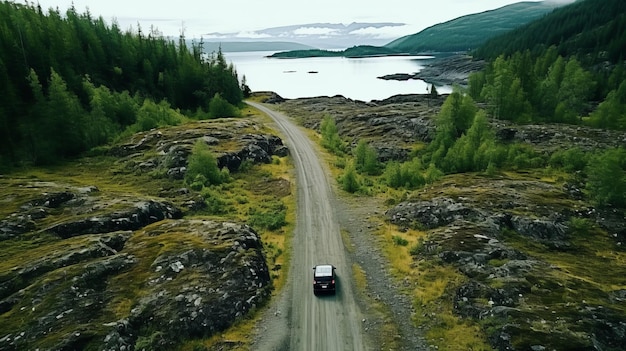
(70, 82)
(567, 67)
(593, 30)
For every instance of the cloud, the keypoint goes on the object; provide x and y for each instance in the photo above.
(387, 32)
(322, 31)
(252, 35)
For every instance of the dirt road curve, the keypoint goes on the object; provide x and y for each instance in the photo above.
(300, 320)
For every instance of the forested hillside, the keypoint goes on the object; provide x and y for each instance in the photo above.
(469, 32)
(593, 30)
(567, 67)
(69, 82)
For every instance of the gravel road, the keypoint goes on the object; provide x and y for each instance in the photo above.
(297, 319)
(301, 320)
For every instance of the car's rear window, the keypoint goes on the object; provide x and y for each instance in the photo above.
(323, 271)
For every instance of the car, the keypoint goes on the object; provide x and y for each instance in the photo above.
(324, 279)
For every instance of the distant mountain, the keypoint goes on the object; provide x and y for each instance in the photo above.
(318, 35)
(468, 32)
(242, 46)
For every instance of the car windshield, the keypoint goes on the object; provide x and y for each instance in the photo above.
(323, 271)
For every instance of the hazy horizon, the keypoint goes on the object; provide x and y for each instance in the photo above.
(199, 18)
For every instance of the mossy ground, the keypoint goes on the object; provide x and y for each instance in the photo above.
(247, 190)
(580, 277)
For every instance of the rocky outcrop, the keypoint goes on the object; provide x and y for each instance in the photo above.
(118, 268)
(167, 150)
(447, 70)
(256, 149)
(450, 70)
(196, 292)
(508, 289)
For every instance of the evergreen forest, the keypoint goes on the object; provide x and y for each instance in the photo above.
(70, 82)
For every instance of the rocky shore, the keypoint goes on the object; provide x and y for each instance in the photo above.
(447, 70)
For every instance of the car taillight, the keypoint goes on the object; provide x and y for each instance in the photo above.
(333, 282)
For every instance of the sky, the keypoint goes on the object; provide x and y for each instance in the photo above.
(200, 17)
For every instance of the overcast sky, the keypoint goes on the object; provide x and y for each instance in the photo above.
(200, 17)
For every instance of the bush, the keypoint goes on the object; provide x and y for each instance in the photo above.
(407, 174)
(330, 136)
(366, 158)
(400, 241)
(570, 160)
(606, 179)
(219, 108)
(201, 162)
(214, 201)
(349, 181)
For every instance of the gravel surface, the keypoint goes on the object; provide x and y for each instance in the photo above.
(356, 219)
(275, 328)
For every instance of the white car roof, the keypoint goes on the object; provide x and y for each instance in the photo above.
(324, 270)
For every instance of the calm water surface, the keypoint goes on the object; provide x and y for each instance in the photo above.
(354, 78)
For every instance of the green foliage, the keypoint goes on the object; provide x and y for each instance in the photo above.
(464, 140)
(550, 89)
(214, 200)
(611, 114)
(349, 180)
(521, 156)
(219, 107)
(330, 136)
(502, 90)
(570, 160)
(56, 122)
(69, 82)
(400, 241)
(154, 341)
(580, 226)
(594, 30)
(271, 215)
(366, 158)
(151, 115)
(606, 181)
(472, 151)
(202, 167)
(405, 175)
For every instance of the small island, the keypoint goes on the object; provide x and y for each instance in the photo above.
(353, 52)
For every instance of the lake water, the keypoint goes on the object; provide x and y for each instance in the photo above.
(354, 78)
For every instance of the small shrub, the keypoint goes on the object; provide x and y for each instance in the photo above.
(214, 201)
(202, 162)
(580, 226)
(246, 165)
(399, 241)
(219, 108)
(349, 180)
(330, 136)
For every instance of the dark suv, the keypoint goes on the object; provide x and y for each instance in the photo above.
(324, 279)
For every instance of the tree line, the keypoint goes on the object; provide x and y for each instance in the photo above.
(69, 82)
(552, 88)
